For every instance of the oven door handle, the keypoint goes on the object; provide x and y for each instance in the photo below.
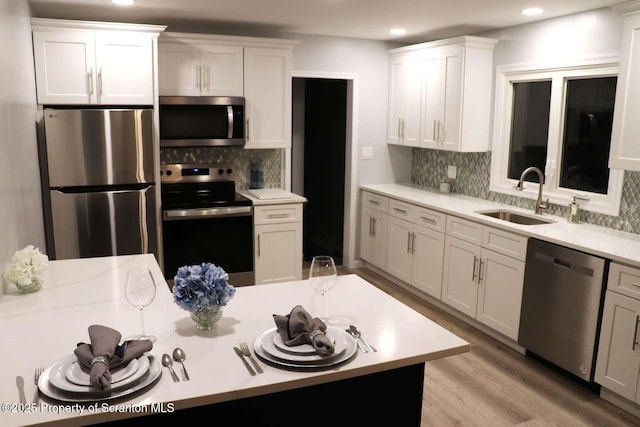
(180, 214)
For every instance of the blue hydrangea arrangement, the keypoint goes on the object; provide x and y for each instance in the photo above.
(201, 286)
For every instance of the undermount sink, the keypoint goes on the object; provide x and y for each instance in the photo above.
(515, 217)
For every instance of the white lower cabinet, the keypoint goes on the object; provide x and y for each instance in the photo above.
(485, 284)
(373, 229)
(277, 243)
(618, 361)
(415, 246)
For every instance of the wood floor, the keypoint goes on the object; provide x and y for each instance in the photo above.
(493, 385)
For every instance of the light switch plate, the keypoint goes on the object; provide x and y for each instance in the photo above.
(367, 153)
(452, 171)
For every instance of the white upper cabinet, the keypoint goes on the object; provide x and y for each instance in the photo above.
(267, 89)
(625, 150)
(405, 99)
(200, 69)
(93, 63)
(447, 90)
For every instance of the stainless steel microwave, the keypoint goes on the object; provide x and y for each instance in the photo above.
(199, 121)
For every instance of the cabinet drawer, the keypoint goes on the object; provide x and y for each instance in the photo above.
(431, 219)
(402, 210)
(374, 201)
(624, 280)
(277, 214)
(506, 243)
(465, 230)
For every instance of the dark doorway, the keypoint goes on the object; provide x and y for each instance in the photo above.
(323, 176)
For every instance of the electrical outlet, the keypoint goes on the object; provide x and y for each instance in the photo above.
(452, 171)
(367, 153)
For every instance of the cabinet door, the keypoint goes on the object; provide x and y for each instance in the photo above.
(431, 99)
(267, 89)
(65, 67)
(278, 253)
(451, 75)
(618, 362)
(222, 70)
(397, 99)
(125, 68)
(428, 259)
(178, 69)
(625, 150)
(459, 283)
(399, 244)
(500, 292)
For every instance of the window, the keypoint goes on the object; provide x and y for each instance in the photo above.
(558, 120)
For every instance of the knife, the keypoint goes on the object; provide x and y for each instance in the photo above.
(246, 364)
(20, 384)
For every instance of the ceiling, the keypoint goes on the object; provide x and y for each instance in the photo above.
(424, 20)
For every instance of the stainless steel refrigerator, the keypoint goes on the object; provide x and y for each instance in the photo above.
(98, 168)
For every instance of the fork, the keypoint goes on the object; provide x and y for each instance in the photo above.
(247, 353)
(36, 377)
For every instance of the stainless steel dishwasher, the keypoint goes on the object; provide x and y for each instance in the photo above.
(562, 306)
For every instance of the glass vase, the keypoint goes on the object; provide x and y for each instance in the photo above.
(31, 287)
(207, 317)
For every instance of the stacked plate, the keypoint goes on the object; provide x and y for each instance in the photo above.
(66, 380)
(270, 347)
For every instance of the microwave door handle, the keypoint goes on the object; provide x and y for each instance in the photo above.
(230, 119)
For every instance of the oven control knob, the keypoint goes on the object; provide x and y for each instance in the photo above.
(229, 171)
(169, 172)
(220, 172)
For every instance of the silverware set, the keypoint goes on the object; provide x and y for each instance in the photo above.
(179, 356)
(244, 353)
(364, 346)
(20, 384)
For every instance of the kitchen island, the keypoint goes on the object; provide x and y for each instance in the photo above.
(45, 327)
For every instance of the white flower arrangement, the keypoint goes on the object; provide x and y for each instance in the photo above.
(27, 268)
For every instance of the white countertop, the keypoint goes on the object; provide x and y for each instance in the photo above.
(44, 327)
(272, 196)
(605, 242)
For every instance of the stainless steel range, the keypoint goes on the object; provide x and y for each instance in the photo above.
(205, 220)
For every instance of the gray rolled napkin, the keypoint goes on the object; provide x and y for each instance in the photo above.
(298, 327)
(104, 353)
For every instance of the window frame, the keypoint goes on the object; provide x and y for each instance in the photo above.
(505, 77)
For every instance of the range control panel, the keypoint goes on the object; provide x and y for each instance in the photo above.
(182, 172)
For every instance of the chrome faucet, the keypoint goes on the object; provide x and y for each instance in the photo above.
(540, 207)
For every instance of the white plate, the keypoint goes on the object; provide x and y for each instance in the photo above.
(58, 379)
(152, 374)
(349, 350)
(267, 344)
(80, 375)
(302, 348)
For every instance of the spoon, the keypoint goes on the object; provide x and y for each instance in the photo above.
(179, 356)
(166, 361)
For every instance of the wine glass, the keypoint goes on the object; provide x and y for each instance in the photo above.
(140, 290)
(322, 275)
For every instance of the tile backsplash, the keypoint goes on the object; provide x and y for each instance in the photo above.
(429, 167)
(241, 159)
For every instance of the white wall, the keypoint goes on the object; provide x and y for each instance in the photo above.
(593, 34)
(370, 61)
(20, 200)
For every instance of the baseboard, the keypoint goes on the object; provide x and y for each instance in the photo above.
(620, 402)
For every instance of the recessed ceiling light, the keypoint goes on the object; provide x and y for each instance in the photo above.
(398, 31)
(123, 2)
(531, 11)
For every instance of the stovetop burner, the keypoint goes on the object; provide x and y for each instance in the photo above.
(192, 186)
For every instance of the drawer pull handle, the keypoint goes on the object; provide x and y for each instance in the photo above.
(402, 211)
(635, 334)
(374, 202)
(635, 284)
(429, 220)
(277, 216)
(409, 242)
